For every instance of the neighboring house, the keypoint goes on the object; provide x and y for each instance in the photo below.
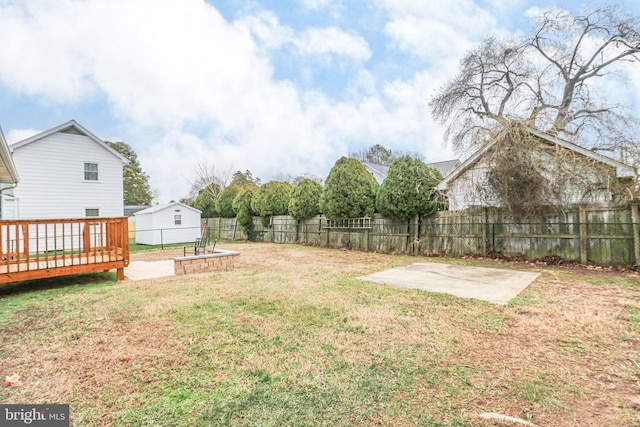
(464, 185)
(166, 224)
(65, 172)
(380, 172)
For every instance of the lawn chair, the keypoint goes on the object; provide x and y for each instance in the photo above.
(198, 248)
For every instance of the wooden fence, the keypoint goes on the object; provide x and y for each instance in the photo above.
(602, 235)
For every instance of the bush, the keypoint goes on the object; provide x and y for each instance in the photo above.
(242, 206)
(224, 204)
(272, 199)
(206, 201)
(305, 199)
(349, 191)
(408, 190)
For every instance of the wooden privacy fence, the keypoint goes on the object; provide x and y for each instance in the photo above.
(602, 235)
(39, 248)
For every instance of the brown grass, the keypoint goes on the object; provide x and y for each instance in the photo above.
(564, 353)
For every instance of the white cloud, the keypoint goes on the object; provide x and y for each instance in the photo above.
(333, 41)
(16, 135)
(166, 68)
(435, 28)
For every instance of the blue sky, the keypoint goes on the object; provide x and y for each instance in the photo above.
(274, 86)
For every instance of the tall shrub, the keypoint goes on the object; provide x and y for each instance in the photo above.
(349, 191)
(408, 190)
(224, 204)
(206, 200)
(272, 199)
(305, 199)
(242, 206)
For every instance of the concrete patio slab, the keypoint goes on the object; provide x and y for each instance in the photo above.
(141, 270)
(487, 284)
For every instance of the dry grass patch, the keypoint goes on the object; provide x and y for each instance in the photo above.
(291, 337)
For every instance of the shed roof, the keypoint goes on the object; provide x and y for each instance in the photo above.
(72, 127)
(158, 208)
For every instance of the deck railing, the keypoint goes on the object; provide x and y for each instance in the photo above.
(37, 248)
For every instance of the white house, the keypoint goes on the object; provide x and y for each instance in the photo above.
(65, 172)
(166, 224)
(464, 184)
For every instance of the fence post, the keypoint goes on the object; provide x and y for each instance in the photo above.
(635, 217)
(485, 226)
(584, 237)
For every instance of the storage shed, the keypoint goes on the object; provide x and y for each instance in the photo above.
(166, 224)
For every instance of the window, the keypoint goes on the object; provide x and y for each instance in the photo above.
(90, 171)
(92, 212)
(177, 219)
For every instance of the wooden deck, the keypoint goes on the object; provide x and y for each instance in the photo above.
(40, 248)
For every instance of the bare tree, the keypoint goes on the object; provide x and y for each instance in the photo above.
(381, 155)
(547, 81)
(203, 175)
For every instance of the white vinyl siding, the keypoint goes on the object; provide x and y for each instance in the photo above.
(51, 178)
(157, 225)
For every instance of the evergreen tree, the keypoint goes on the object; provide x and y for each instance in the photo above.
(136, 183)
(244, 211)
(408, 190)
(349, 191)
(224, 204)
(206, 201)
(272, 199)
(305, 199)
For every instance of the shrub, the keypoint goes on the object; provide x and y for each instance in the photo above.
(305, 199)
(206, 201)
(242, 206)
(349, 191)
(408, 190)
(272, 199)
(224, 204)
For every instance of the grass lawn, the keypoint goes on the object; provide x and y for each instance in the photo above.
(292, 338)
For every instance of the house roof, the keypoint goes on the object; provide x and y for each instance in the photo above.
(158, 208)
(622, 170)
(380, 172)
(69, 127)
(8, 171)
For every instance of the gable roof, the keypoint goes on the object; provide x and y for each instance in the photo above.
(380, 172)
(72, 127)
(158, 208)
(8, 171)
(622, 170)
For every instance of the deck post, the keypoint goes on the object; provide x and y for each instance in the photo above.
(120, 274)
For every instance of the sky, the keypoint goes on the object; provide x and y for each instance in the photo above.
(277, 87)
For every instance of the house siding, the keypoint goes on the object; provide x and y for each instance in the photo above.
(52, 181)
(468, 190)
